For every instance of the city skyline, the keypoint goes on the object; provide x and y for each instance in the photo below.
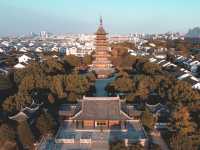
(145, 16)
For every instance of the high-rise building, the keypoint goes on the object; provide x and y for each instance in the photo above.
(102, 65)
(44, 35)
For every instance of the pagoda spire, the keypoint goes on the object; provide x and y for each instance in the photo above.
(101, 21)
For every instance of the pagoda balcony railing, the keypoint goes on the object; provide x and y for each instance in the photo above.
(102, 63)
(101, 35)
(102, 56)
(101, 45)
(101, 41)
(101, 38)
(101, 53)
(102, 50)
(101, 59)
(105, 50)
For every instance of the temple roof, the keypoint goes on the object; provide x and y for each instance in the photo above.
(101, 30)
(101, 108)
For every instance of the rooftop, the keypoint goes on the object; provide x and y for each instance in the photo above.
(106, 108)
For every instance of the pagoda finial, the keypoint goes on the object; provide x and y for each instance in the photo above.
(101, 21)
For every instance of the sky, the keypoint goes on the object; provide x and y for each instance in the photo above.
(82, 16)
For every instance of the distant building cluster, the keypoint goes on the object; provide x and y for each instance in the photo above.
(183, 69)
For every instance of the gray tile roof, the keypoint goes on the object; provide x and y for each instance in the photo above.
(101, 108)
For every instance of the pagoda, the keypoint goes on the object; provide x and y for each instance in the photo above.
(101, 64)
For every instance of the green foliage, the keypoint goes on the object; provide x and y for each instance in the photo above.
(76, 83)
(182, 92)
(25, 134)
(119, 145)
(183, 122)
(57, 86)
(53, 67)
(32, 69)
(124, 62)
(155, 147)
(125, 44)
(137, 146)
(130, 97)
(5, 82)
(45, 124)
(148, 120)
(151, 68)
(123, 85)
(7, 133)
(72, 61)
(182, 142)
(16, 102)
(87, 60)
(91, 77)
(144, 86)
(73, 97)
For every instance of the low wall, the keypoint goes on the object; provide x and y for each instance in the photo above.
(65, 141)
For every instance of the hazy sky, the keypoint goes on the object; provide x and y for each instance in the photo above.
(82, 16)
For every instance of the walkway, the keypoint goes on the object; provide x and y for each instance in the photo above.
(100, 85)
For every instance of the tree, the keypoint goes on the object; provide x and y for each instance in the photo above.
(45, 124)
(182, 48)
(87, 60)
(151, 68)
(57, 86)
(15, 103)
(182, 92)
(118, 145)
(91, 77)
(182, 142)
(72, 97)
(27, 84)
(183, 122)
(137, 146)
(7, 133)
(53, 67)
(148, 120)
(5, 82)
(76, 83)
(25, 135)
(33, 68)
(145, 84)
(130, 97)
(71, 61)
(122, 84)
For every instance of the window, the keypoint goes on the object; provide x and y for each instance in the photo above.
(101, 123)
